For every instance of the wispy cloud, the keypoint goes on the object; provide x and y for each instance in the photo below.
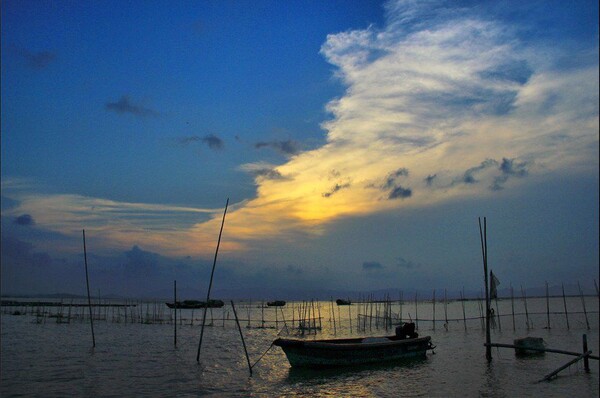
(288, 147)
(372, 266)
(124, 105)
(35, 59)
(211, 140)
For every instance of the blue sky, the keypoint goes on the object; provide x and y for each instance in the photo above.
(358, 142)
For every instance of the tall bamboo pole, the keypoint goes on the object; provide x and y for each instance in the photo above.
(175, 311)
(87, 282)
(212, 273)
(483, 236)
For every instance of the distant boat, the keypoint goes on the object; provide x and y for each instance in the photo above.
(190, 304)
(356, 351)
(343, 302)
(276, 303)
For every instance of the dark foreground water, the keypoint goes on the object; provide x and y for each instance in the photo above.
(52, 359)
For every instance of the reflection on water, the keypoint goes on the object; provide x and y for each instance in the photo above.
(135, 359)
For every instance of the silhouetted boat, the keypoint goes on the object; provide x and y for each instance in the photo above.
(276, 303)
(347, 352)
(190, 304)
(343, 302)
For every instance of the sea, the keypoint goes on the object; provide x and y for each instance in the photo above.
(49, 352)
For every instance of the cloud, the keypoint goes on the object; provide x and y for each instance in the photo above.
(262, 170)
(24, 220)
(124, 105)
(288, 147)
(400, 192)
(469, 176)
(211, 140)
(404, 263)
(429, 179)
(35, 60)
(335, 189)
(509, 168)
(372, 265)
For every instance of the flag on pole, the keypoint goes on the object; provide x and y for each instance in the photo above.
(494, 282)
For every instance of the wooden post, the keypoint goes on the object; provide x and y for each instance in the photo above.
(586, 360)
(483, 236)
(565, 305)
(433, 309)
(349, 316)
(526, 311)
(512, 304)
(210, 283)
(462, 301)
(87, 282)
(175, 311)
(583, 303)
(242, 336)
(547, 306)
(446, 308)
(416, 310)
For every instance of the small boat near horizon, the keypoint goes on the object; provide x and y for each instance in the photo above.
(355, 351)
(276, 303)
(343, 302)
(192, 304)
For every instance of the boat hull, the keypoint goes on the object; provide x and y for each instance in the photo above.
(349, 352)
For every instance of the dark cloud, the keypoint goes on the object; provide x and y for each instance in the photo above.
(288, 147)
(35, 60)
(124, 105)
(24, 220)
(372, 265)
(404, 263)
(391, 178)
(400, 192)
(429, 179)
(469, 176)
(211, 140)
(268, 174)
(509, 168)
(336, 188)
(393, 187)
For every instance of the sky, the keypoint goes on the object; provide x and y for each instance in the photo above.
(357, 142)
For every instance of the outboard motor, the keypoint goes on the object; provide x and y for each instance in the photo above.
(406, 331)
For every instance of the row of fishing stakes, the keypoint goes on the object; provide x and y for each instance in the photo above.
(585, 355)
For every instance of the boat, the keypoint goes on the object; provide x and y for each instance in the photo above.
(343, 302)
(355, 351)
(276, 303)
(191, 304)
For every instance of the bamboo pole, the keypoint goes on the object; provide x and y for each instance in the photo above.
(565, 305)
(583, 303)
(416, 310)
(241, 336)
(525, 303)
(433, 309)
(583, 356)
(547, 306)
(483, 236)
(210, 283)
(87, 282)
(175, 311)
(512, 304)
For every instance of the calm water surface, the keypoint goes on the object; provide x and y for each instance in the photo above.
(133, 359)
